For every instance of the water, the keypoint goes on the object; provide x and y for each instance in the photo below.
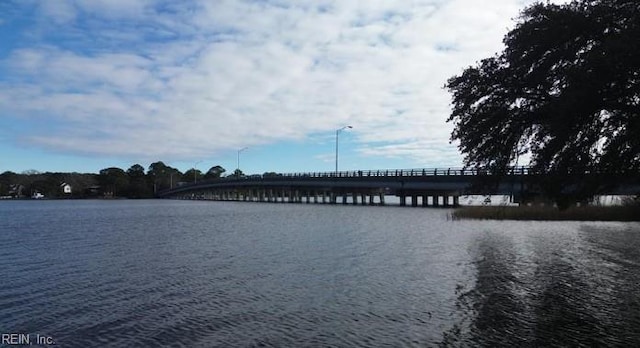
(221, 274)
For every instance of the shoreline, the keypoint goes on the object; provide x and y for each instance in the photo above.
(548, 213)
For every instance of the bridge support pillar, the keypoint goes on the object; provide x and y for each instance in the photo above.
(445, 200)
(456, 201)
(371, 197)
(414, 200)
(435, 200)
(403, 200)
(381, 198)
(425, 200)
(363, 199)
(344, 198)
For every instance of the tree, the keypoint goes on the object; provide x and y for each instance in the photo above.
(135, 171)
(7, 179)
(191, 175)
(565, 92)
(238, 173)
(162, 177)
(112, 180)
(138, 186)
(214, 172)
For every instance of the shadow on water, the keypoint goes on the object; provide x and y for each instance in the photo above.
(561, 297)
(494, 305)
(615, 280)
(541, 290)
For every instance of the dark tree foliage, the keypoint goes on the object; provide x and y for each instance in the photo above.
(162, 177)
(566, 91)
(113, 180)
(214, 172)
(191, 175)
(238, 173)
(138, 186)
(136, 171)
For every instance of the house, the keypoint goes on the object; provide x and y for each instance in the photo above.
(66, 188)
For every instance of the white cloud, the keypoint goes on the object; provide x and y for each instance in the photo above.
(216, 75)
(60, 12)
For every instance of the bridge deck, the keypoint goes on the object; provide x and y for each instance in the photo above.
(432, 182)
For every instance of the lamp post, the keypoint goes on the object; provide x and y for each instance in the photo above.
(337, 135)
(238, 166)
(195, 172)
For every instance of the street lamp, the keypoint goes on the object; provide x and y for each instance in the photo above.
(195, 172)
(337, 134)
(238, 166)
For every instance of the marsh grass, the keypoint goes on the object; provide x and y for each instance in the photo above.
(584, 213)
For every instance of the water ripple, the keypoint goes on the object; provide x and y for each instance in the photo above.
(207, 274)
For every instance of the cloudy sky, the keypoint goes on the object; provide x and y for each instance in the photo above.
(88, 84)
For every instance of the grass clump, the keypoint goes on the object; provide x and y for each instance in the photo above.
(549, 213)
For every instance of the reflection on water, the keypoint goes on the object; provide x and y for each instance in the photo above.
(203, 274)
(555, 287)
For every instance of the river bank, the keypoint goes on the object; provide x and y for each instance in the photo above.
(539, 213)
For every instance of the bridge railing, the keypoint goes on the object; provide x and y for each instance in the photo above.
(383, 173)
(420, 172)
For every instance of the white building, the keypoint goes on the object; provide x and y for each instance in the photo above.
(66, 188)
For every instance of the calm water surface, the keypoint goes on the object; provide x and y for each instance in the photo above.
(219, 274)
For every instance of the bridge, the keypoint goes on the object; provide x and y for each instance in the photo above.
(428, 187)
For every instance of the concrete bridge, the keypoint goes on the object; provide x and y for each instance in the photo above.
(415, 187)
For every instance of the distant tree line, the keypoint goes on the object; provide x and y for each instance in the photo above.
(110, 182)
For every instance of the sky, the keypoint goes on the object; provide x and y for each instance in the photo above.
(91, 84)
